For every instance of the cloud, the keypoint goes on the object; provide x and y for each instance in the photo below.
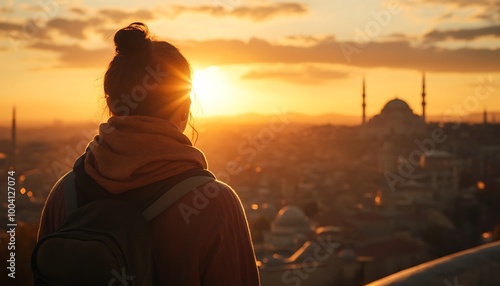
(264, 12)
(489, 9)
(119, 16)
(30, 7)
(72, 28)
(395, 54)
(74, 56)
(463, 3)
(78, 11)
(397, 36)
(108, 20)
(490, 14)
(107, 33)
(255, 13)
(101, 21)
(6, 10)
(391, 52)
(307, 75)
(463, 34)
(10, 26)
(307, 40)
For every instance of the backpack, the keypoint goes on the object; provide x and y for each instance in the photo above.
(105, 238)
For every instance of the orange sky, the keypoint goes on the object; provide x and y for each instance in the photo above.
(258, 56)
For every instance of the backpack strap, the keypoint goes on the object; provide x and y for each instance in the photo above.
(173, 195)
(70, 196)
(161, 195)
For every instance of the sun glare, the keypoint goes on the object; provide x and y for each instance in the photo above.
(209, 89)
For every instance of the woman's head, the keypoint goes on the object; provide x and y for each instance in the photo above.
(147, 77)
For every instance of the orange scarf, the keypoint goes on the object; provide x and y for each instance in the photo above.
(134, 151)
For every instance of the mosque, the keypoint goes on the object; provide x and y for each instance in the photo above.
(289, 230)
(436, 175)
(395, 118)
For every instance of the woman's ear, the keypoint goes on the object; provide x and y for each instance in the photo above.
(180, 116)
(186, 107)
(108, 103)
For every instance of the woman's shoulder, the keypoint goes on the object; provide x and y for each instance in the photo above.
(217, 191)
(213, 201)
(53, 212)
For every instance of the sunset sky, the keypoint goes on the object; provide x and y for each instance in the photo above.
(308, 56)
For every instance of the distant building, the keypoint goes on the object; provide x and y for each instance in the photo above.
(372, 224)
(489, 156)
(312, 265)
(416, 190)
(434, 184)
(396, 118)
(391, 255)
(322, 262)
(443, 174)
(12, 160)
(289, 230)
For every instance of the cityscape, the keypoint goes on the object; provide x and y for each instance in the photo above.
(361, 140)
(327, 204)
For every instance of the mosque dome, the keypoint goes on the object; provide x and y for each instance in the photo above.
(291, 216)
(396, 105)
(347, 254)
(289, 229)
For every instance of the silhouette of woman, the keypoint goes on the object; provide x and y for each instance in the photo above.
(147, 88)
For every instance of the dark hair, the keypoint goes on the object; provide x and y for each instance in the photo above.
(145, 77)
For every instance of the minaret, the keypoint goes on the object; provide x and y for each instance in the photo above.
(364, 102)
(13, 150)
(423, 97)
(485, 117)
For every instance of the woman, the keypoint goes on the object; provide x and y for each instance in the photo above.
(147, 87)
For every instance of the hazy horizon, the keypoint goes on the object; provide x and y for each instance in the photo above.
(260, 118)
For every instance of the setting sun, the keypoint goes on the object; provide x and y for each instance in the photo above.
(209, 89)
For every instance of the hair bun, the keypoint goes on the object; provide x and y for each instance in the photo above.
(132, 39)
